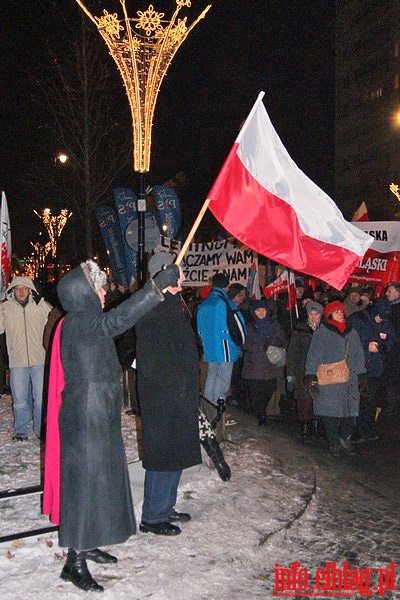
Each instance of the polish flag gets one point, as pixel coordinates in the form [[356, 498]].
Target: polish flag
[[361, 214], [5, 247], [263, 199]]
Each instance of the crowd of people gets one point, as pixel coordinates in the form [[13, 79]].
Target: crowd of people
[[331, 365]]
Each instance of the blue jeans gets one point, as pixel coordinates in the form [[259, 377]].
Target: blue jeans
[[218, 380], [27, 390], [160, 490]]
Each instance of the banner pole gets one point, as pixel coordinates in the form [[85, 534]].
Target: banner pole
[[192, 232]]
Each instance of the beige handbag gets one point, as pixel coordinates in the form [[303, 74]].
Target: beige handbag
[[337, 372]]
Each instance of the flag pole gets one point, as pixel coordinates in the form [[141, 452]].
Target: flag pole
[[192, 231], [208, 200]]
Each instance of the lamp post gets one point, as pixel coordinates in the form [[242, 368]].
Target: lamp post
[[143, 48], [54, 225]]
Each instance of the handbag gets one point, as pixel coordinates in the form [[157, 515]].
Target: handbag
[[337, 372], [276, 356]]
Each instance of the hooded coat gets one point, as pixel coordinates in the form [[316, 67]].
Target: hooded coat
[[168, 388], [328, 346], [24, 325], [95, 496]]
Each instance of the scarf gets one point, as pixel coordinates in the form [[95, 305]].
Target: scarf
[[338, 324], [264, 328]]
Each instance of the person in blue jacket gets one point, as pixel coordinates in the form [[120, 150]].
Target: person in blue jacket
[[219, 350]]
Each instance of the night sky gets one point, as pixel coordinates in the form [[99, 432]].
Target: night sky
[[239, 49]]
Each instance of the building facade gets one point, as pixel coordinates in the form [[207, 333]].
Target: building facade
[[367, 119]]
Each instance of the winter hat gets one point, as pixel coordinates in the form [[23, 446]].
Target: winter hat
[[314, 307], [259, 303], [235, 289], [158, 261], [355, 289], [332, 306], [94, 275], [220, 280], [383, 308]]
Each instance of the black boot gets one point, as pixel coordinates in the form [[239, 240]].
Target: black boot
[[213, 449], [76, 571]]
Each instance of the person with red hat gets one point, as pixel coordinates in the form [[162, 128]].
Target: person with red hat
[[337, 403]]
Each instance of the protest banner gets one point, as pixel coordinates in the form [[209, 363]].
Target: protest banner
[[203, 260], [380, 264]]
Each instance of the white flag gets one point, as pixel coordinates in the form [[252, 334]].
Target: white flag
[[5, 243]]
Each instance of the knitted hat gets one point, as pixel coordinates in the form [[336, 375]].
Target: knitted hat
[[220, 280], [157, 262], [314, 307], [94, 275], [259, 303], [332, 306]]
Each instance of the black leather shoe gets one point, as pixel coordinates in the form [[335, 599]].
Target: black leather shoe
[[163, 528], [178, 516], [76, 571], [99, 556]]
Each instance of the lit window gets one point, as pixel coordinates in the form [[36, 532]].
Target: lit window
[[397, 81]]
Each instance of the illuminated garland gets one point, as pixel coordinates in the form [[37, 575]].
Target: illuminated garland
[[143, 49]]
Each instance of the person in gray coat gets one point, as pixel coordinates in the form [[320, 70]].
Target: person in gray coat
[[337, 404], [95, 496]]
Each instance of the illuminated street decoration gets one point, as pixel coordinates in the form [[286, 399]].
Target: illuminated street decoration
[[394, 188], [143, 49], [54, 225]]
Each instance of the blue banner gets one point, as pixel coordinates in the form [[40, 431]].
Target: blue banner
[[168, 211], [111, 232], [126, 203]]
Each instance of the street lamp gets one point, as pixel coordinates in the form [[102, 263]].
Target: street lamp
[[143, 49], [61, 158]]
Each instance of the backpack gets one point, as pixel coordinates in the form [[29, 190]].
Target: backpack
[[235, 325]]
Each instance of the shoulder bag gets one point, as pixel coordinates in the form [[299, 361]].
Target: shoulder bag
[[337, 372]]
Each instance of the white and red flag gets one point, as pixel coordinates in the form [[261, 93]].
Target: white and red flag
[[263, 199], [253, 283], [361, 214], [285, 282], [5, 244]]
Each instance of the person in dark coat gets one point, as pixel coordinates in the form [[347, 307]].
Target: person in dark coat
[[168, 391], [378, 340], [258, 371], [296, 364], [337, 404], [95, 496]]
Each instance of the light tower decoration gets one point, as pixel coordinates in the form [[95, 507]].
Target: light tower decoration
[[394, 188], [54, 225], [143, 49]]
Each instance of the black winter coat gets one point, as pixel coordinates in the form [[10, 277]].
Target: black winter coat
[[168, 388], [95, 504]]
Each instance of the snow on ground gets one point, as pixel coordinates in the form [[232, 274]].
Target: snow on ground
[[228, 550]]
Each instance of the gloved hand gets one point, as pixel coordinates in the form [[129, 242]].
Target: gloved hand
[[290, 382], [168, 276]]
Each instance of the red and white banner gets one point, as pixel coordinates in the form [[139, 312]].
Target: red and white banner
[[381, 263], [285, 282], [264, 200], [5, 244]]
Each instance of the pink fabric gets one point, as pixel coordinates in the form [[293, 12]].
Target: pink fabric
[[51, 492]]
